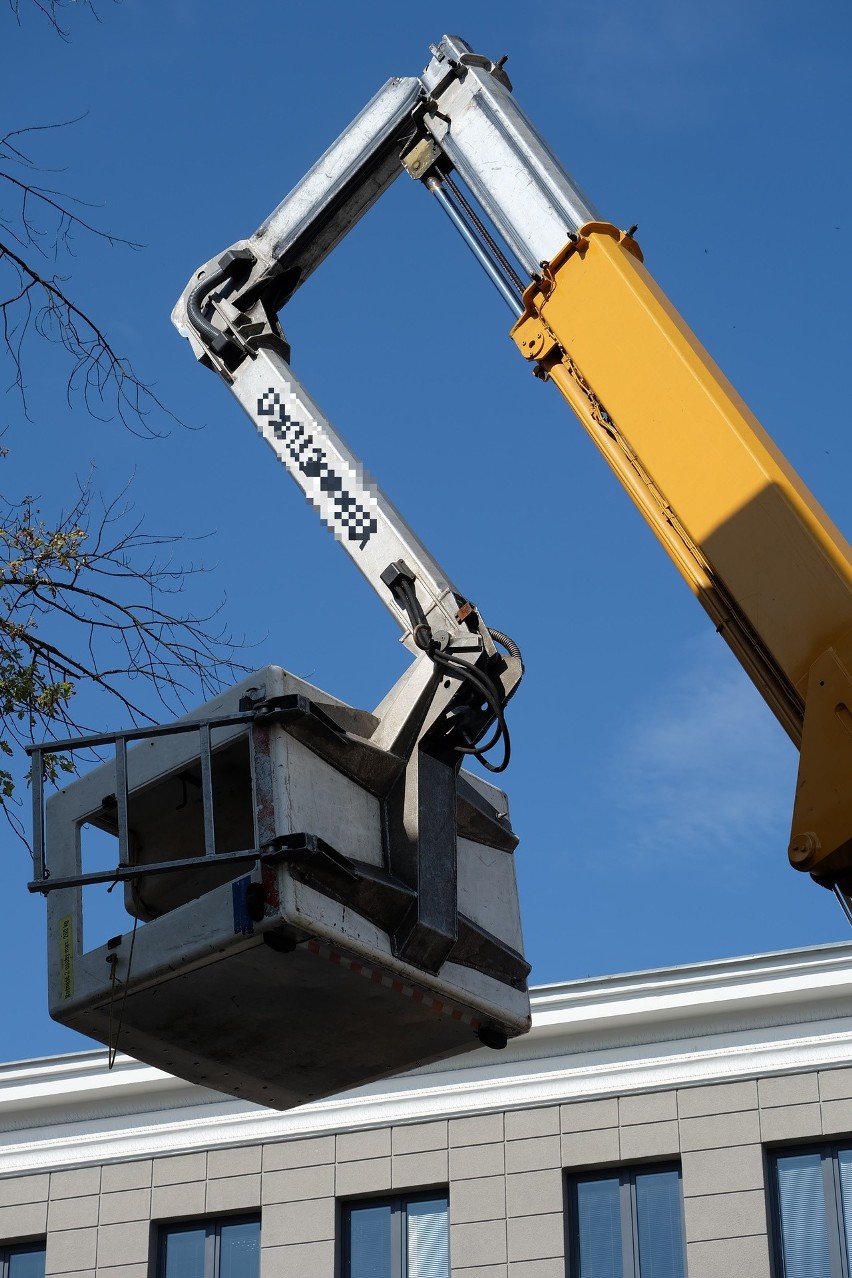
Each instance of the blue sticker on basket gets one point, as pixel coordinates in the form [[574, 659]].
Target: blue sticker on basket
[[243, 925]]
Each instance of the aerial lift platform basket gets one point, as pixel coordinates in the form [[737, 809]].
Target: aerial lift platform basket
[[281, 949]]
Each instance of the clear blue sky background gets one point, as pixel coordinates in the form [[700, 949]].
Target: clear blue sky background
[[650, 786]]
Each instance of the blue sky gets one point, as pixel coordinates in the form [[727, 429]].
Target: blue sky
[[651, 788]]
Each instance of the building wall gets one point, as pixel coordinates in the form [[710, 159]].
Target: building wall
[[505, 1164]]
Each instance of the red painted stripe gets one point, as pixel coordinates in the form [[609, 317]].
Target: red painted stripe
[[399, 987]]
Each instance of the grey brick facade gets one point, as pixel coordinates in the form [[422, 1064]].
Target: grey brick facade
[[505, 1169]]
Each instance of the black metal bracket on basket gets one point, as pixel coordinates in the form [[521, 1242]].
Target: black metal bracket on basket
[[299, 849], [288, 709], [390, 904], [346, 748]]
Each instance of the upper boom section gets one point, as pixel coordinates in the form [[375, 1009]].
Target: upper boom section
[[462, 111], [471, 114], [462, 105]]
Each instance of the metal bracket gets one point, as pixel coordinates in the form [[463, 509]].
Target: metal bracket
[[286, 847], [421, 824], [419, 160], [289, 708]]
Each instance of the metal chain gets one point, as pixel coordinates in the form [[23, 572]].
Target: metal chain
[[486, 235]]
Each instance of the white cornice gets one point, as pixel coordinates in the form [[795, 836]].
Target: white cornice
[[643, 1031]]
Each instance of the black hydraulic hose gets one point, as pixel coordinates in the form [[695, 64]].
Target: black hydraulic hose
[[507, 643], [477, 680], [195, 300]]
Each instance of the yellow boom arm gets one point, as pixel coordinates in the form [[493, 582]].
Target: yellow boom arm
[[763, 558]]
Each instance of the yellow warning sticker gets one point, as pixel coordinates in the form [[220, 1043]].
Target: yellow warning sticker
[[66, 956]]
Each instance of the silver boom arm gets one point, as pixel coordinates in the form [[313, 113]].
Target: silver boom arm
[[459, 115], [458, 119]]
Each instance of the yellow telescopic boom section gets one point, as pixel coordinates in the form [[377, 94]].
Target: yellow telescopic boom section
[[763, 558]]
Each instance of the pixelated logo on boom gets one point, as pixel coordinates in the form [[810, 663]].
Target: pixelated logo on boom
[[347, 517]]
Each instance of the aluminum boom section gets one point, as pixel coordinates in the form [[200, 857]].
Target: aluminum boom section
[[342, 185], [512, 172], [326, 203], [350, 504]]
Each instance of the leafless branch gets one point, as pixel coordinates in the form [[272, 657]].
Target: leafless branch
[[105, 636], [91, 601], [40, 223], [39, 304], [51, 9]]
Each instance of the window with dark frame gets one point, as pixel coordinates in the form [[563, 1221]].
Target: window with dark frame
[[23, 1261], [812, 1211], [627, 1223], [222, 1248], [401, 1237]]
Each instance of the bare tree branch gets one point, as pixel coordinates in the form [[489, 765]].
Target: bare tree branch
[[34, 302], [103, 587], [51, 9], [40, 304], [89, 601]]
